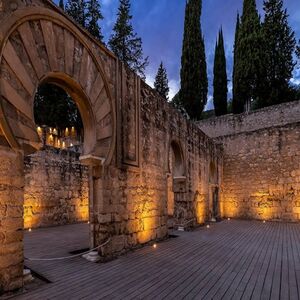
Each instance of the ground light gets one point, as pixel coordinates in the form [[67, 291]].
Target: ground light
[[228, 219], [29, 230], [264, 221], [207, 226], [154, 246]]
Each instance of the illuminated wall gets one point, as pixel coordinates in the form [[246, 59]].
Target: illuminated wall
[[261, 162], [56, 189]]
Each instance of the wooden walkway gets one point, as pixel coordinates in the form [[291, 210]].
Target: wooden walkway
[[230, 260]]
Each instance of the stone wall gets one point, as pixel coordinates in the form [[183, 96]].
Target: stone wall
[[134, 189], [261, 162], [56, 189], [277, 115], [11, 221]]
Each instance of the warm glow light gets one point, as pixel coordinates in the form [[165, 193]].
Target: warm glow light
[[63, 144], [154, 246], [207, 226], [264, 221], [88, 222], [71, 145], [228, 219], [29, 230]]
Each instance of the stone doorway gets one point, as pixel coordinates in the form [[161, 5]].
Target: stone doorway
[[214, 203], [176, 186]]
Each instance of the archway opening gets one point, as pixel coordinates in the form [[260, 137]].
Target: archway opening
[[56, 192], [176, 184], [213, 192]]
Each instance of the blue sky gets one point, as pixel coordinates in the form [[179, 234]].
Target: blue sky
[[160, 24]]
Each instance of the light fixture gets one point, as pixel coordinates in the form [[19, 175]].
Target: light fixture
[[29, 230], [207, 226], [228, 219], [154, 246]]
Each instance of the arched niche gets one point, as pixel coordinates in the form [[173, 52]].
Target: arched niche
[[40, 46]]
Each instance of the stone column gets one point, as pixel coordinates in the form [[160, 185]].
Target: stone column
[[11, 219]]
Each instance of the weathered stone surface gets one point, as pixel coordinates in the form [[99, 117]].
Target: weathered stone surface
[[56, 189], [261, 162], [11, 221]]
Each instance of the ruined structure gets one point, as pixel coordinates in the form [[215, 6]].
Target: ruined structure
[[146, 162], [261, 162]]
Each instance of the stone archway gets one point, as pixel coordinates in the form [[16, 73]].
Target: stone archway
[[214, 204], [176, 183], [38, 46]]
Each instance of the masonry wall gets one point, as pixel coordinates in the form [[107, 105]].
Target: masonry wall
[[261, 162], [11, 221], [134, 204], [56, 189]]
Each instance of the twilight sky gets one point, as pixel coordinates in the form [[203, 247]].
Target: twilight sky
[[160, 24]]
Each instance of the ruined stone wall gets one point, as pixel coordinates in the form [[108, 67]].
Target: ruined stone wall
[[261, 162], [277, 115], [11, 221], [135, 190], [56, 189]]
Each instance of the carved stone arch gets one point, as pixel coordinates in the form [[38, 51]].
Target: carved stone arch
[[39, 46], [178, 165]]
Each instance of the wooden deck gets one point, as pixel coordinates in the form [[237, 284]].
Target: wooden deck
[[230, 260]]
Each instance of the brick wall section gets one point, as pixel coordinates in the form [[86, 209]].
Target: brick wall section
[[261, 162], [11, 221], [56, 189]]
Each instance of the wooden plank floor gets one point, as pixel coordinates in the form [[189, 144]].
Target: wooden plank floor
[[230, 260]]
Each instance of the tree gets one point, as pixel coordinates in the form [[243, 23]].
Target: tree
[[280, 45], [194, 83], [220, 78], [249, 66], [61, 4], [237, 103], [161, 82], [55, 108], [76, 10], [298, 50], [93, 17], [125, 44]]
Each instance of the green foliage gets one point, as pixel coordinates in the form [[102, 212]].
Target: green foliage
[[161, 83], [61, 4], [279, 49], [76, 10], [249, 65], [220, 78], [194, 83], [54, 107], [93, 17], [125, 44], [237, 104]]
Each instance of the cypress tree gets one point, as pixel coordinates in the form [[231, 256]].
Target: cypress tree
[[194, 83], [220, 78], [93, 17], [161, 82], [125, 44], [280, 45], [76, 10], [249, 64], [298, 50], [61, 4], [237, 104]]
